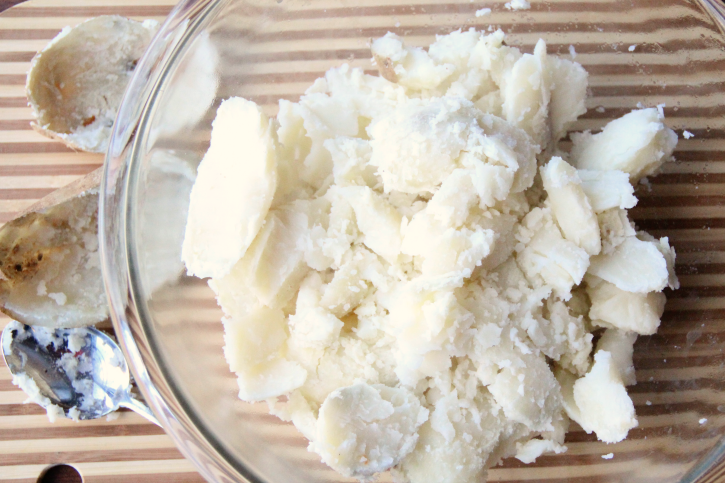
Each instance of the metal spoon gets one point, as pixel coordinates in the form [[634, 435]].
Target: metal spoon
[[82, 371]]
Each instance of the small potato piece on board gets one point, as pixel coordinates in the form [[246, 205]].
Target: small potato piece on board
[[49, 260], [75, 84]]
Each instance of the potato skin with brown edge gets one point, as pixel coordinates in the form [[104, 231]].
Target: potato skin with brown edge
[[49, 260], [75, 84]]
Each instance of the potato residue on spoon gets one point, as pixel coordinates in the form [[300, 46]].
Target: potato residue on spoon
[[420, 282]]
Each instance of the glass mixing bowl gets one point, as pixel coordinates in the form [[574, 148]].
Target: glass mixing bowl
[[652, 52]]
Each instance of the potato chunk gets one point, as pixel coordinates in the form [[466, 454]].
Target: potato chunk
[[254, 347], [273, 268], [570, 205], [607, 189], [364, 429], [544, 254], [603, 403], [569, 82], [526, 94], [633, 266], [636, 143], [620, 343], [636, 312], [235, 184]]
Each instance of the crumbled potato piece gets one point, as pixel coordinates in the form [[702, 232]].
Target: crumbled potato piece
[[636, 143]]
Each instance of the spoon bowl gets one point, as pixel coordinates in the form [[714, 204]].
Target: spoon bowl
[[81, 372]]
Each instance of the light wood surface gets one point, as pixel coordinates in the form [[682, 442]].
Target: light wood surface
[[31, 166]]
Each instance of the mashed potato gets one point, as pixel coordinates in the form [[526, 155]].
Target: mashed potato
[[412, 271]]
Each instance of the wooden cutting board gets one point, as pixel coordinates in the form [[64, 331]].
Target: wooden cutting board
[[128, 448]]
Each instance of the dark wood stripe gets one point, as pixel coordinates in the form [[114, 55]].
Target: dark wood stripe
[[679, 223], [671, 113], [105, 455], [695, 246], [670, 89], [678, 201], [670, 317], [701, 269], [40, 147], [28, 34], [15, 125], [16, 56], [7, 216], [20, 410], [13, 102], [687, 178], [150, 478], [80, 430], [12, 79], [136, 11], [24, 193], [696, 292], [47, 169], [7, 385]]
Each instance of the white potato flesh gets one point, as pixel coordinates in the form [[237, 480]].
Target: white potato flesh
[[255, 338], [603, 403], [636, 143], [270, 379], [352, 282], [506, 143], [570, 205], [663, 245], [462, 454], [253, 347], [418, 144], [543, 252], [378, 221], [350, 162], [274, 266], [529, 395], [410, 67], [568, 84], [459, 250], [452, 203], [233, 190], [532, 449], [636, 312], [446, 250], [526, 95], [620, 343], [76, 83], [633, 266], [607, 189], [364, 429], [615, 227], [50, 262]]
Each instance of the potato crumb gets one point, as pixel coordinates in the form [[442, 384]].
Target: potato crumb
[[518, 5]]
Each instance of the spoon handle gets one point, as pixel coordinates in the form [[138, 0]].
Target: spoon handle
[[139, 408]]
